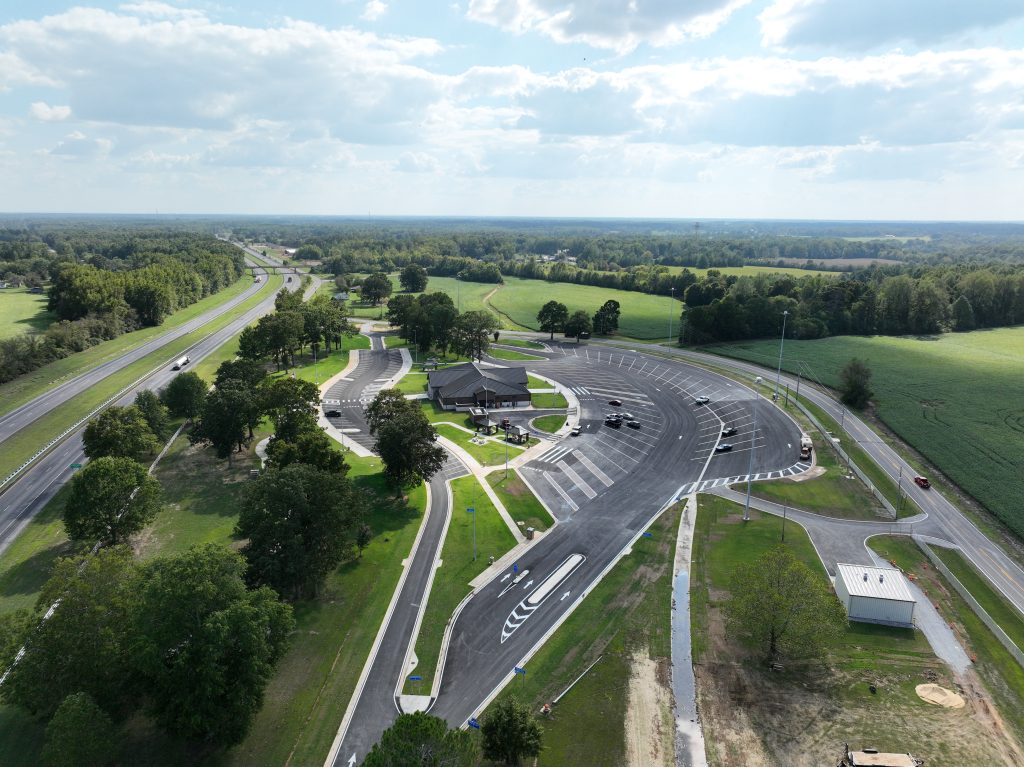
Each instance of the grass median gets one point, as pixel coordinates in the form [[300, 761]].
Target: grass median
[[625, 623], [520, 502], [511, 354], [490, 453], [24, 443], [26, 387], [458, 568], [549, 423], [549, 400]]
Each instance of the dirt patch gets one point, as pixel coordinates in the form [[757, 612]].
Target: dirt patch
[[940, 696], [817, 471], [649, 735]]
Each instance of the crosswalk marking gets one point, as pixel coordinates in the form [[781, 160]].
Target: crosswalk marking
[[592, 468], [577, 479], [554, 454]]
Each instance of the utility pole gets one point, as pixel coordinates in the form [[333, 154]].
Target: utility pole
[[750, 462], [782, 340], [784, 510], [671, 305]]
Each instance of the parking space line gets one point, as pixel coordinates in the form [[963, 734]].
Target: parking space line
[[612, 447], [628, 444], [568, 471], [592, 468], [561, 492]]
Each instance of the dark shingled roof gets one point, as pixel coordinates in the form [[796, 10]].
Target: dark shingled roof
[[466, 380]]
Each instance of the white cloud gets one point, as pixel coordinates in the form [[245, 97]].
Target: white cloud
[[619, 25], [43, 111], [374, 10], [866, 24], [78, 145], [160, 10]]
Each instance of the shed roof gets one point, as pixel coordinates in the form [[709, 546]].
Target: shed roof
[[875, 582]]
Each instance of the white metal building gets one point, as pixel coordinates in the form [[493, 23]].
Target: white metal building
[[875, 595]]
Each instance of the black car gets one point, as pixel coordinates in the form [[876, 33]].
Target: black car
[[725, 447], [728, 431], [332, 413], [701, 401], [615, 402], [633, 424], [612, 422]]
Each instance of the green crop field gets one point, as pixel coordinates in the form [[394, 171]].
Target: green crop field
[[750, 271], [955, 398], [21, 311]]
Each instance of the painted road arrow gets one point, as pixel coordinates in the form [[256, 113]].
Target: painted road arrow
[[526, 608], [514, 583], [564, 596]]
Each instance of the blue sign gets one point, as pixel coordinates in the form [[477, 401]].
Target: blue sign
[[519, 670], [415, 679], [515, 568], [471, 510], [474, 724], [647, 535]]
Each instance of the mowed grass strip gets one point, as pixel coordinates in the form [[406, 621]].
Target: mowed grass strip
[[23, 444], [21, 311], [458, 568], [549, 400], [24, 388], [627, 613], [549, 423], [954, 398], [511, 354], [491, 453], [520, 502]]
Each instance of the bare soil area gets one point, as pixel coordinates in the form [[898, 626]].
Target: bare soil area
[[649, 733]]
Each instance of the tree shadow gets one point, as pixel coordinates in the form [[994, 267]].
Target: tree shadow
[[28, 577]]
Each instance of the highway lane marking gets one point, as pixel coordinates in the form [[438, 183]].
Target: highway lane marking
[[592, 468], [521, 612], [577, 479], [561, 492]]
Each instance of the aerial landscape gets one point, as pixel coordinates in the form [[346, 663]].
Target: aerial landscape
[[528, 383]]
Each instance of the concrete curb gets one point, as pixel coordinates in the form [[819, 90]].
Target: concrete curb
[[353, 363]]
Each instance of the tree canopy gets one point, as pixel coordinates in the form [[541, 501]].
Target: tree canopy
[[510, 733], [552, 317], [472, 331], [119, 432], [413, 278], [155, 413], [80, 734], [606, 319], [185, 395], [578, 324], [855, 383], [110, 500], [376, 287], [422, 740], [405, 439]]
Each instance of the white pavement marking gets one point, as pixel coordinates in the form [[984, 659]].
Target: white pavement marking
[[555, 453], [577, 479], [526, 608], [561, 492], [592, 468]]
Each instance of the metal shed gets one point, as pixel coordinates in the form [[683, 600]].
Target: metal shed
[[875, 595]]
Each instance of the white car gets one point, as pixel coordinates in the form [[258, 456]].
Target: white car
[[575, 431]]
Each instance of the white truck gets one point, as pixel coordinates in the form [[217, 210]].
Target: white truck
[[806, 445], [180, 362]]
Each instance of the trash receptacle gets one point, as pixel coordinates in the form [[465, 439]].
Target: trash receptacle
[[530, 533]]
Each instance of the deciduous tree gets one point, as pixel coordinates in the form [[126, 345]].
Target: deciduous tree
[[778, 606], [225, 420], [413, 278], [311, 447], [510, 733], [606, 319], [110, 500], [376, 288], [577, 324], [185, 395], [552, 317], [422, 740], [120, 432], [471, 335], [80, 734], [155, 413], [855, 383]]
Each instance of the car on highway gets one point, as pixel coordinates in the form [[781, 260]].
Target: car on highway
[[332, 413], [613, 422], [701, 400], [922, 482], [724, 447], [575, 431], [633, 424], [615, 402], [728, 431]]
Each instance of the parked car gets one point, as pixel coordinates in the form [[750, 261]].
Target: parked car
[[575, 431], [728, 431], [724, 447], [612, 422], [332, 413], [922, 482], [628, 416], [633, 424], [615, 402], [701, 400]]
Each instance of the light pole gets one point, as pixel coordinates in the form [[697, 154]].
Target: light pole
[[784, 510], [750, 463], [782, 340], [671, 304], [506, 450]]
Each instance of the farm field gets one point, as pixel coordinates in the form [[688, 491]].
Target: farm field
[[751, 270], [22, 311], [955, 398]]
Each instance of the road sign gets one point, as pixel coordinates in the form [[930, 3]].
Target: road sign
[[647, 535], [520, 670], [416, 678], [474, 724], [470, 510], [515, 568], [76, 466]]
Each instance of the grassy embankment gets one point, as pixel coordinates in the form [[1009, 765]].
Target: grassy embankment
[[22, 389], [310, 690], [520, 502], [20, 446], [801, 708], [21, 311], [953, 398], [458, 568], [626, 615], [1001, 673]]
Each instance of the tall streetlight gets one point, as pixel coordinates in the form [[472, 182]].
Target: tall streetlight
[[671, 305], [750, 462], [782, 340]]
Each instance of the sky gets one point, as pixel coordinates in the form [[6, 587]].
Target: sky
[[811, 109]]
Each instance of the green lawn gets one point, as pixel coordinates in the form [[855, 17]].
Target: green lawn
[[1001, 673], [326, 365], [21, 311], [412, 383], [510, 354], [490, 454], [549, 423], [537, 383], [954, 398], [626, 614], [522, 343], [458, 568], [22, 389], [393, 342], [25, 442], [550, 400], [520, 502]]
